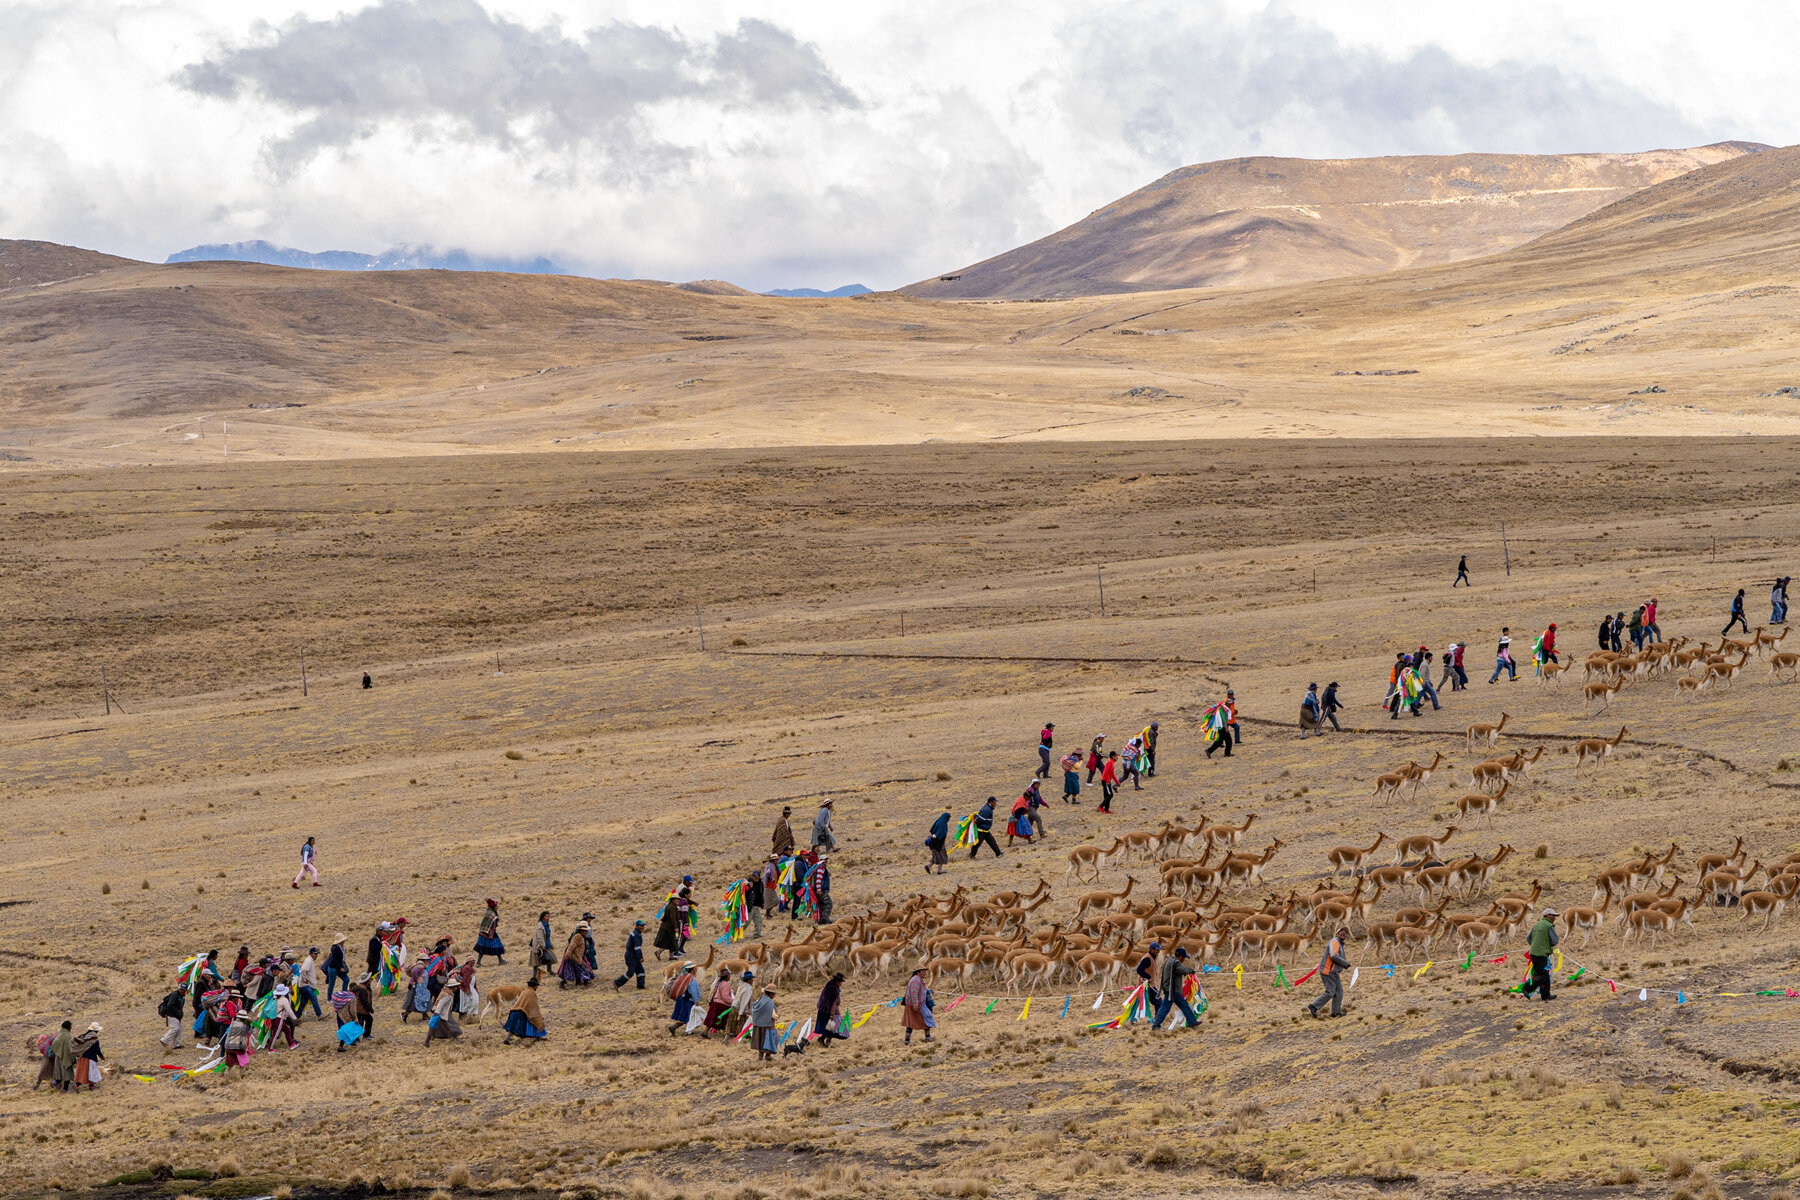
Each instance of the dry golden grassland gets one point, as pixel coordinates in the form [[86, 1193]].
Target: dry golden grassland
[[604, 754]]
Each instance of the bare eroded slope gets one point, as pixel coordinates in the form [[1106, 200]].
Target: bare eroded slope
[[1257, 221]]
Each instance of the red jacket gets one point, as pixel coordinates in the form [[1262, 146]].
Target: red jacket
[[1110, 772]]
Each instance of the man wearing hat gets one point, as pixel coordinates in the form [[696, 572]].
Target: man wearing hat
[[1331, 975], [634, 956], [822, 835], [782, 844], [1328, 708], [1542, 941]]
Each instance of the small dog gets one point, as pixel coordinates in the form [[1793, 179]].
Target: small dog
[[792, 1048]]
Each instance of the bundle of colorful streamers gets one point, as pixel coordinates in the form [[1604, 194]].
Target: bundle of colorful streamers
[[390, 967], [261, 1018], [1137, 1007], [736, 913], [965, 832], [806, 891], [1213, 722]]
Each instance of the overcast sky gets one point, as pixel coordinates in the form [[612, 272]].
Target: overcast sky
[[797, 143]]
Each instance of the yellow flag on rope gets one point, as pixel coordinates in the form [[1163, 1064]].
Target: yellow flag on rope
[[1559, 965], [1026, 1009], [860, 1021], [1422, 970], [1237, 974]]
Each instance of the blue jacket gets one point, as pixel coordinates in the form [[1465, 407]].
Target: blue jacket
[[940, 830], [984, 820]]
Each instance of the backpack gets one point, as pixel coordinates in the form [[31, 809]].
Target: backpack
[[172, 1004], [237, 1037]]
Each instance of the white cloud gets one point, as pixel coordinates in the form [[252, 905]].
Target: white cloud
[[802, 143]]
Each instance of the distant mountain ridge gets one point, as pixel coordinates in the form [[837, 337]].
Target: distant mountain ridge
[[1255, 222], [395, 258], [804, 293]]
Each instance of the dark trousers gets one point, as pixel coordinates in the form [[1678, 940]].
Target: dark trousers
[[1106, 795], [1540, 976], [332, 973], [1737, 618], [1224, 739], [1334, 994], [1462, 577], [1331, 715], [1150, 753], [308, 996], [1043, 771], [985, 838], [1170, 1002], [633, 969]]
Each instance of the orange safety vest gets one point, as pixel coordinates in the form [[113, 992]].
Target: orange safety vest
[[1332, 951]]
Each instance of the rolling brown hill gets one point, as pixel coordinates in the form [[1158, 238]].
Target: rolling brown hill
[[1686, 287], [32, 264], [1258, 221]]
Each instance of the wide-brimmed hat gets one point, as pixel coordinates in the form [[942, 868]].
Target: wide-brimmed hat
[[94, 1027], [365, 977], [1551, 912], [338, 940], [769, 991], [688, 965], [281, 989]]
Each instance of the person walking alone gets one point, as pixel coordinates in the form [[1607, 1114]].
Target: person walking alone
[[782, 843], [306, 864], [170, 1010], [1542, 941], [822, 837], [1462, 573], [1045, 737], [984, 830], [1737, 615], [1331, 966], [634, 957], [1503, 659], [938, 842]]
